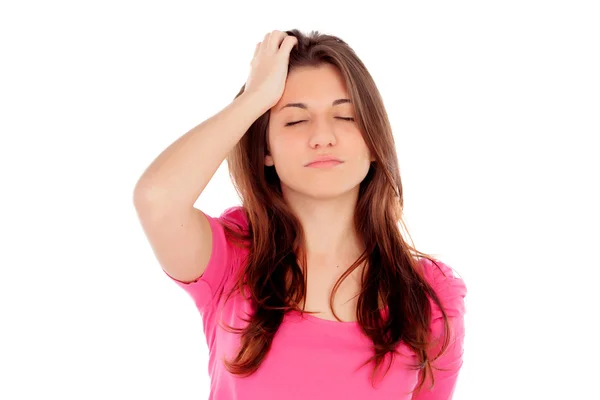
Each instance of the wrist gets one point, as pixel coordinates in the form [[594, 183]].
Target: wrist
[[255, 102]]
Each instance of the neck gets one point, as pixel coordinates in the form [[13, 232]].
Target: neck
[[329, 230]]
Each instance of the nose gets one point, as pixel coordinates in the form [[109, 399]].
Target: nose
[[322, 135]]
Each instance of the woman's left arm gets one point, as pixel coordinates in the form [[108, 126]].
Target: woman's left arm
[[451, 292]]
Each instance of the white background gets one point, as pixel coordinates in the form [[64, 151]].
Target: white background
[[495, 109]]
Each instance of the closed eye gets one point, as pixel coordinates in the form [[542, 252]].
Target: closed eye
[[293, 123], [297, 122]]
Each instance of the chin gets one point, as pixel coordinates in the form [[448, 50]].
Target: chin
[[321, 191], [322, 186]]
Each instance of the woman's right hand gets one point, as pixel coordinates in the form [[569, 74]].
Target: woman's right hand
[[269, 67]]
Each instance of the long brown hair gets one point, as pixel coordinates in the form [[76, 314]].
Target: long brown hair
[[272, 274]]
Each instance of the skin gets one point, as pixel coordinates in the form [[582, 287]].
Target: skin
[[323, 199]]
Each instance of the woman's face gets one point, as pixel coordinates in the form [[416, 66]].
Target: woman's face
[[317, 95]]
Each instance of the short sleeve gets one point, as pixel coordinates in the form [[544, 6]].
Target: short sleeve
[[451, 292], [206, 290]]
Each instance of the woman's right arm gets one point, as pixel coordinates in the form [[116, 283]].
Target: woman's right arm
[[164, 196]]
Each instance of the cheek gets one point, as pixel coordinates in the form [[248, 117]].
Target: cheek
[[359, 145], [285, 145]]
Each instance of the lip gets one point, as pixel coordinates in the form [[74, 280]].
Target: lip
[[324, 162]]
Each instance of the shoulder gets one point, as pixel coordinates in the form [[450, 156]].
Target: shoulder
[[450, 288], [235, 217]]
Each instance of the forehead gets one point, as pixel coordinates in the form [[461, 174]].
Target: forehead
[[315, 86]]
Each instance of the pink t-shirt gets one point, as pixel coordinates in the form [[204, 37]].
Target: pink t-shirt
[[310, 357]]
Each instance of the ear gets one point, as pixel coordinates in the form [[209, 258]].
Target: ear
[[268, 158], [269, 161]]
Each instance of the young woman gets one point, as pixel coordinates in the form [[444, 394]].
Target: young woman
[[308, 290]]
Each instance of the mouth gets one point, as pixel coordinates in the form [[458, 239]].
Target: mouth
[[324, 164]]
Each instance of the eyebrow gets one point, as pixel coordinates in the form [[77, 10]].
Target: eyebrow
[[304, 106]]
